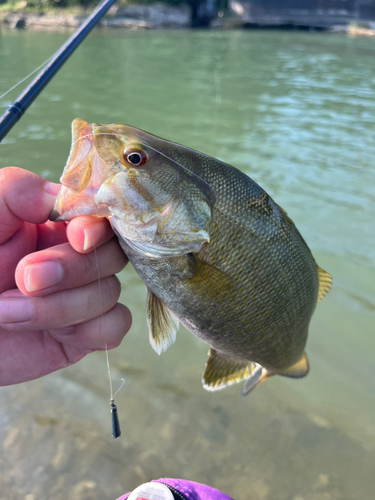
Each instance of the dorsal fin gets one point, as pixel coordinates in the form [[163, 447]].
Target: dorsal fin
[[162, 324], [298, 370], [325, 283], [222, 371]]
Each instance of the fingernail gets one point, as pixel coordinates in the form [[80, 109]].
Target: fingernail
[[49, 196], [52, 188], [14, 310], [88, 241], [62, 331], [42, 275]]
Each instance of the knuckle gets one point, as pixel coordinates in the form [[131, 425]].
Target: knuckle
[[7, 171], [48, 312], [59, 309], [125, 318], [120, 324], [112, 288]]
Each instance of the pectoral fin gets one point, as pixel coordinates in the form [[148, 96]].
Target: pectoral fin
[[162, 324], [222, 371], [204, 278], [325, 283]]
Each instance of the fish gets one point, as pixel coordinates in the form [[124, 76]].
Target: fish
[[215, 251]]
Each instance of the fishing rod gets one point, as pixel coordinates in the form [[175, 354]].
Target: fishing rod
[[24, 100]]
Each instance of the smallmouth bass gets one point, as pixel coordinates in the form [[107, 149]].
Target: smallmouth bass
[[216, 253]]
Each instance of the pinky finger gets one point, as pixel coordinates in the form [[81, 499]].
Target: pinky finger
[[95, 334]]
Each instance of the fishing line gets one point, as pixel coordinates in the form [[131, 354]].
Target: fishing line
[[217, 105], [116, 431], [217, 84], [217, 81], [15, 111], [121, 386], [26, 77]]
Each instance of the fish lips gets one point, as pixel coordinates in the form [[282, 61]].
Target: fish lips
[[83, 176], [69, 205]]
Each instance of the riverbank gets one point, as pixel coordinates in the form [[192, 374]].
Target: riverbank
[[132, 16], [142, 16]]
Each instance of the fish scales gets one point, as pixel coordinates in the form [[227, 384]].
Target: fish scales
[[236, 194], [216, 253], [268, 311]]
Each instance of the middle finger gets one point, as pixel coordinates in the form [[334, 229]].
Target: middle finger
[[62, 268]]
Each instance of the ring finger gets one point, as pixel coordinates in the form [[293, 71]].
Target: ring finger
[[60, 309]]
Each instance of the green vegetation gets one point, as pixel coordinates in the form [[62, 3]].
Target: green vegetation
[[44, 5]]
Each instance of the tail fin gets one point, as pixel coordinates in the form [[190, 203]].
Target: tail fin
[[260, 374]]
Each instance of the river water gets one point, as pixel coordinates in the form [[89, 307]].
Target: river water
[[293, 110]]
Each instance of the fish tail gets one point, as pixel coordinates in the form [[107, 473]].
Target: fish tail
[[260, 374]]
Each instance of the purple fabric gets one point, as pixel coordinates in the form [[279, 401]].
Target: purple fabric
[[191, 490]]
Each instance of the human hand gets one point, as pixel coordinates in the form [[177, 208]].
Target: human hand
[[50, 306]]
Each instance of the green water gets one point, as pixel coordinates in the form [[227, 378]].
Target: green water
[[293, 110]]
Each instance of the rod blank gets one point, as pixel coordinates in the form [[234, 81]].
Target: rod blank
[[24, 100]]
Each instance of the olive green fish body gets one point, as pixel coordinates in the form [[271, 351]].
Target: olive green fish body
[[271, 282], [216, 253]]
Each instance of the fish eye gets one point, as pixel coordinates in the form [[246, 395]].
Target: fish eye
[[136, 157]]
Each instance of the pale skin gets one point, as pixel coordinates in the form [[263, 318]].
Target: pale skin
[[50, 312]]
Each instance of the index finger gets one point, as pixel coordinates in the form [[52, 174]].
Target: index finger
[[24, 196]]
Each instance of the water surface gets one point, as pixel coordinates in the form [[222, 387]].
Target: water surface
[[295, 111]]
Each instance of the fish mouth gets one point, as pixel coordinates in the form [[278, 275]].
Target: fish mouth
[[83, 175], [54, 216]]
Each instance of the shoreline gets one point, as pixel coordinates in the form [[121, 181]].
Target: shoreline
[[132, 16], [142, 16]]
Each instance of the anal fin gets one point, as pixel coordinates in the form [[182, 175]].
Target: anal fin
[[325, 283], [298, 370], [222, 371], [162, 324]]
